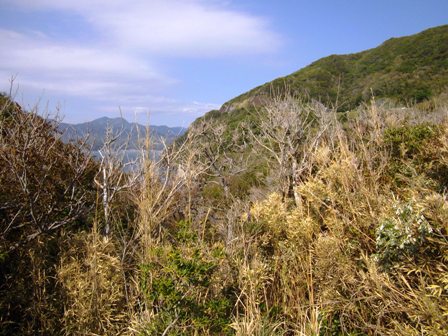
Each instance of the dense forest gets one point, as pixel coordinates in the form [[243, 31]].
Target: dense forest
[[290, 217]]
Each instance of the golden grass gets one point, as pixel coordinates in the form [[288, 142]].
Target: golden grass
[[336, 255], [91, 275]]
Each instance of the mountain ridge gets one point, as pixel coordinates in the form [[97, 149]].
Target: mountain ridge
[[132, 132], [405, 69]]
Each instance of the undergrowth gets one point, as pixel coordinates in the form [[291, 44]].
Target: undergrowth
[[342, 231]]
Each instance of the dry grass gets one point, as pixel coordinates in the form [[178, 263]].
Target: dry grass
[[90, 273], [317, 261], [349, 238]]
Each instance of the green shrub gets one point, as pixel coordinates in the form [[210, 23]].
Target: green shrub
[[181, 286], [408, 141], [418, 150], [213, 191], [401, 235]]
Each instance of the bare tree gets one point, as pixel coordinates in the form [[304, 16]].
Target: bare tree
[[116, 172], [288, 128], [43, 182], [224, 155], [164, 182], [221, 152]]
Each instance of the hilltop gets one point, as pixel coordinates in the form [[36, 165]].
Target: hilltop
[[406, 70]]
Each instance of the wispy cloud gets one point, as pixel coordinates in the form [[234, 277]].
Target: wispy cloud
[[126, 60], [72, 69], [171, 27], [189, 28], [156, 109]]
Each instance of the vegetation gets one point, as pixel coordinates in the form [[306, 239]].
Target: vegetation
[[405, 70], [340, 229], [293, 219], [45, 189]]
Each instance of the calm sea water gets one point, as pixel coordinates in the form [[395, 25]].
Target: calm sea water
[[131, 157]]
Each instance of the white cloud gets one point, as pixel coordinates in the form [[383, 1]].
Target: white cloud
[[70, 69], [156, 106], [172, 27], [177, 28], [128, 41]]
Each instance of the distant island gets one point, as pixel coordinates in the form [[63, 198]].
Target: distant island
[[132, 135]]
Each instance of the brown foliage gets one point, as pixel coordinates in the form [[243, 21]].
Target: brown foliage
[[45, 185]]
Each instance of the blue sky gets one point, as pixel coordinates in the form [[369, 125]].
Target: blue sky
[[174, 60]]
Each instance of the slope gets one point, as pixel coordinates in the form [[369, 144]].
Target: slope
[[407, 70]]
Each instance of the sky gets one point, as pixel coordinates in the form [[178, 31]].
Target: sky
[[173, 60]]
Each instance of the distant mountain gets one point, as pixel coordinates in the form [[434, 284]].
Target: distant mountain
[[131, 133], [406, 69]]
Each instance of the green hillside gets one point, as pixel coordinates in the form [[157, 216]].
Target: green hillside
[[407, 69]]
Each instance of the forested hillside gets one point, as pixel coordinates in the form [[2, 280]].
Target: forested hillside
[[406, 70]]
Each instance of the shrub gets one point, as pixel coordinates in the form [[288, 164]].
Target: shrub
[[401, 235], [408, 141], [182, 286], [418, 150], [45, 186]]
